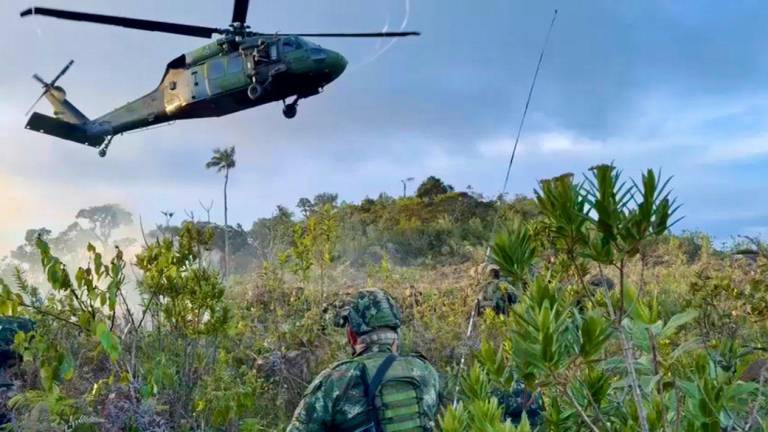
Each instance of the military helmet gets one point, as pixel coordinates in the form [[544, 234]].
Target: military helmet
[[484, 270], [370, 309]]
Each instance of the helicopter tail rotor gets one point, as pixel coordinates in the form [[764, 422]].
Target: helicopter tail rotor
[[50, 86]]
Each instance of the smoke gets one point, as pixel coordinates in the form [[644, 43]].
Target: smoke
[[379, 50]]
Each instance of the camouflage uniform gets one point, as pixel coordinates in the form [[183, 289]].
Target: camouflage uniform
[[337, 399], [517, 400], [496, 294], [9, 326]]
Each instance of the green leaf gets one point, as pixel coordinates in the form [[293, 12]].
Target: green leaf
[[739, 390], [676, 322], [46, 377], [67, 367], [524, 425], [108, 341], [685, 348], [595, 333]]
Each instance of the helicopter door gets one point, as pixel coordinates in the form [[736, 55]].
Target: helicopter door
[[215, 73], [198, 89], [226, 74]]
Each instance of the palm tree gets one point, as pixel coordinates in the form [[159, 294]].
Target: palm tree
[[224, 160]]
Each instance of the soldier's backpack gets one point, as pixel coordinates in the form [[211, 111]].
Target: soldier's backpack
[[394, 395]]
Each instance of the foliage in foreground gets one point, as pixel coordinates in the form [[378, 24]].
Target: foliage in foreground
[[602, 359], [668, 348]]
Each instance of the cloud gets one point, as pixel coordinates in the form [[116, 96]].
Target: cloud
[[553, 143], [748, 148]]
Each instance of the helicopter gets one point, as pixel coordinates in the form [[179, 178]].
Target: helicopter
[[240, 69]]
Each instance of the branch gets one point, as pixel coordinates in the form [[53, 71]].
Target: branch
[[758, 401], [146, 309], [51, 314], [580, 410], [143, 236], [626, 349]]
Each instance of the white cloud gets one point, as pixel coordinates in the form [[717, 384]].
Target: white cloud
[[745, 148], [545, 144]]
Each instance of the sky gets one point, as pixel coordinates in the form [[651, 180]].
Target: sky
[[671, 85]]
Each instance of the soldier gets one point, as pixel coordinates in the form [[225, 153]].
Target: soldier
[[9, 327], [376, 390], [496, 294], [518, 400]]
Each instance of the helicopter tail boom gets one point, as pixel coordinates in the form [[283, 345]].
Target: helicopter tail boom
[[62, 129], [62, 108]]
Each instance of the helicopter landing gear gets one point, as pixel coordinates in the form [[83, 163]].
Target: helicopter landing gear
[[104, 147], [255, 91], [290, 110]]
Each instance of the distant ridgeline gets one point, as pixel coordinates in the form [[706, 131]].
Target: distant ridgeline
[[435, 225]]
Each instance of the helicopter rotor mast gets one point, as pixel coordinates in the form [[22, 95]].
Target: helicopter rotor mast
[[239, 14]]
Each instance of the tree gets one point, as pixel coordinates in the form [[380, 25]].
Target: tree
[[306, 206], [324, 198], [104, 219], [432, 187], [272, 235], [223, 160]]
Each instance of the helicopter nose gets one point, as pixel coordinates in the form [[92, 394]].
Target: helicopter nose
[[336, 64]]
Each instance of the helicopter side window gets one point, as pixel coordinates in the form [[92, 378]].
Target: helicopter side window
[[215, 68], [273, 51], [235, 64], [290, 44]]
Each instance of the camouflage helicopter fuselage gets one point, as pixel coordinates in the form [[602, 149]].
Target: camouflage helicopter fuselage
[[225, 76]]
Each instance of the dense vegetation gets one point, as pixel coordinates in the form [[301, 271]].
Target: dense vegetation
[[163, 342]]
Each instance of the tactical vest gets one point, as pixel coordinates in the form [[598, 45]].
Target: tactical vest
[[394, 397]]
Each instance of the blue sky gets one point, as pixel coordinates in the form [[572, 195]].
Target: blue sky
[[673, 84]]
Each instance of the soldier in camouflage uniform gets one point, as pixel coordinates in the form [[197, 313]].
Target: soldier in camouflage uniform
[[518, 400], [376, 390], [9, 326], [496, 294]]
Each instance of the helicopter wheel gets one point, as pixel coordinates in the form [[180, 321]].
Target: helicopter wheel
[[290, 110], [254, 91], [104, 147]]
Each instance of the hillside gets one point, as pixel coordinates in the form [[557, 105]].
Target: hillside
[[667, 346]]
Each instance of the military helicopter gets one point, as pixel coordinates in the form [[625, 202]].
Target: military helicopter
[[239, 70]]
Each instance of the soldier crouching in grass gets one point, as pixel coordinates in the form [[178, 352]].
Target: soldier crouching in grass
[[496, 293], [377, 390]]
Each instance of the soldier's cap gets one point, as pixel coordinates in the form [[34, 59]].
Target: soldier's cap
[[368, 310]]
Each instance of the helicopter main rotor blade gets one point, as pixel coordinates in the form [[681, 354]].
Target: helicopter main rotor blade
[[139, 24], [240, 11], [374, 34]]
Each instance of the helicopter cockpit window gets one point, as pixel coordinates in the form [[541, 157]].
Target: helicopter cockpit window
[[215, 68], [290, 44]]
